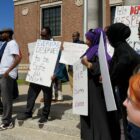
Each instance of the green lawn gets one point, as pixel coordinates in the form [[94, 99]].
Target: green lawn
[[22, 82]]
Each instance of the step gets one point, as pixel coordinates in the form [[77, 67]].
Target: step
[[59, 110], [20, 133], [65, 127]]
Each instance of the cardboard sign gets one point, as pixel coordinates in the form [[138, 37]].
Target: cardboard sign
[[130, 15], [108, 92], [43, 62], [72, 52], [31, 48], [80, 89]]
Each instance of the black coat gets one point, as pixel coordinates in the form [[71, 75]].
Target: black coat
[[124, 60]]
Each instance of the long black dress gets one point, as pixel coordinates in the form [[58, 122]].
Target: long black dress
[[95, 125]]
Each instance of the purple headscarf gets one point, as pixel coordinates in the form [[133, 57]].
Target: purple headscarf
[[94, 37]]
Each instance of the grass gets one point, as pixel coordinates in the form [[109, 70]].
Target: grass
[[22, 82]]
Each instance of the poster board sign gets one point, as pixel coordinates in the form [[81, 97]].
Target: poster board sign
[[108, 92], [31, 47], [80, 89], [43, 62], [130, 15], [72, 52]]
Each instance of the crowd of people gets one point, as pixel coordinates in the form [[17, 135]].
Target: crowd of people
[[124, 69]]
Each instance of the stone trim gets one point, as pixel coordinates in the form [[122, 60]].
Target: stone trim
[[50, 4], [20, 2], [116, 2]]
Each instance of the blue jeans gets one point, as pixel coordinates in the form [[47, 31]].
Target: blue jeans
[[133, 132]]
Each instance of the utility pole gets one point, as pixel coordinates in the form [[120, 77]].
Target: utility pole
[[93, 13], [85, 25]]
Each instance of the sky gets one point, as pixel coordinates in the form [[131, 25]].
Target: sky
[[6, 14]]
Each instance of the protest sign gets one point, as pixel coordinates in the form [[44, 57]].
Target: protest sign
[[43, 62], [80, 89], [31, 47], [130, 15], [108, 92], [72, 52]]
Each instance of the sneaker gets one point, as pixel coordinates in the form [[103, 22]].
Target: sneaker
[[60, 96], [43, 119], [5, 126], [24, 116]]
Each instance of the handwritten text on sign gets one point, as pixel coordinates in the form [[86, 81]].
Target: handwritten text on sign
[[80, 89], [72, 52], [130, 15], [43, 62]]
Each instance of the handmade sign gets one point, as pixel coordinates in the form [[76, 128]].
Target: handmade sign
[[43, 62], [80, 89]]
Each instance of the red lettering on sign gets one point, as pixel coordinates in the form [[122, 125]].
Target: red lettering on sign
[[135, 10]]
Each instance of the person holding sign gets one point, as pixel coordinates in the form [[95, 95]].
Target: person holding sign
[[132, 104], [34, 90], [95, 125], [75, 39], [123, 62]]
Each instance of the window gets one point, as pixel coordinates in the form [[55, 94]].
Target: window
[[113, 9], [52, 17]]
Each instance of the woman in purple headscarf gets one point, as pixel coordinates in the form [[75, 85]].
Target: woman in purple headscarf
[[95, 125]]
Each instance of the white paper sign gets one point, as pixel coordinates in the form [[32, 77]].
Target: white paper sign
[[130, 15], [72, 52], [108, 92], [80, 89], [43, 62], [31, 47]]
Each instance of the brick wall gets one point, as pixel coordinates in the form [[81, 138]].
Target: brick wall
[[27, 28]]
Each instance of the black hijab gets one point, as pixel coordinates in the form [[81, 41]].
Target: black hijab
[[118, 33]]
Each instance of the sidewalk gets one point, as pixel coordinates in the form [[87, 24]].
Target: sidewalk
[[61, 125]]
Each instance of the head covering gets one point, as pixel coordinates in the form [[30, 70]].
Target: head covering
[[134, 89], [94, 36], [118, 32]]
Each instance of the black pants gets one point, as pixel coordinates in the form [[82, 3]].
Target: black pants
[[33, 92], [15, 90], [1, 106], [6, 88]]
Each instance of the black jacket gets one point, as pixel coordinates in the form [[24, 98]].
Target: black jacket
[[124, 60]]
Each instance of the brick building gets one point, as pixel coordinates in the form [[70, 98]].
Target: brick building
[[63, 16]]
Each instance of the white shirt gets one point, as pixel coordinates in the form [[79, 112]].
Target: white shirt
[[8, 58]]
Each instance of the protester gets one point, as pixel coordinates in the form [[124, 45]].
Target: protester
[[1, 106], [95, 125], [34, 90], [75, 39], [132, 104], [123, 62], [9, 57], [60, 75]]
